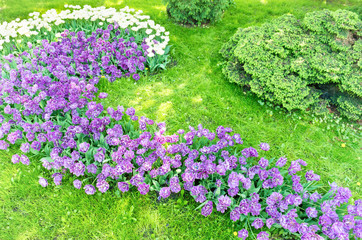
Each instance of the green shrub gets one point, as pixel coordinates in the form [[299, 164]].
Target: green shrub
[[196, 12], [301, 64]]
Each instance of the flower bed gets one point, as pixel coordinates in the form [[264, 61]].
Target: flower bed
[[50, 107]]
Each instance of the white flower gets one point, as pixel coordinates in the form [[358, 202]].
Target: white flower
[[160, 51], [36, 23]]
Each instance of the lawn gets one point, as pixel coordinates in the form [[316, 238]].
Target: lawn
[[191, 91]]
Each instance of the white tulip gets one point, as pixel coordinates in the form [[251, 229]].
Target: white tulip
[[123, 17]]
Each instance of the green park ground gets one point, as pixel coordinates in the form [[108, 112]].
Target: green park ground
[[192, 90]]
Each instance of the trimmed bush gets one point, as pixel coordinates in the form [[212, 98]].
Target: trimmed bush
[[196, 12], [301, 64]]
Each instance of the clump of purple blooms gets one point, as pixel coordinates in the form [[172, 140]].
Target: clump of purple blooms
[[48, 102]]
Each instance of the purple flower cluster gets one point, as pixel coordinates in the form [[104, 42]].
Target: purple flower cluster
[[60, 118]]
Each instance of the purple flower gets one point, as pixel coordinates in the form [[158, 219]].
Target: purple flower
[[263, 236], [249, 152], [311, 176], [339, 230], [99, 156], [246, 183], [25, 147], [137, 180], [136, 77], [274, 198], [255, 208], [311, 235], [315, 197], [233, 191], [207, 209], [297, 200], [78, 169], [103, 95], [123, 186], [77, 184], [294, 167], [36, 145], [102, 186], [143, 188], [235, 214], [244, 207], [349, 221], [181, 131], [233, 181], [3, 145], [174, 180], [89, 189], [281, 162], [92, 168], [83, 147], [243, 234], [311, 212], [218, 183], [43, 182], [258, 223], [175, 188], [343, 195], [24, 160], [57, 178], [188, 177], [223, 203], [130, 111], [199, 193], [75, 155], [270, 222], [263, 163], [15, 158], [264, 146], [165, 192]]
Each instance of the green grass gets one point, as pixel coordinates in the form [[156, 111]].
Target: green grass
[[192, 92]]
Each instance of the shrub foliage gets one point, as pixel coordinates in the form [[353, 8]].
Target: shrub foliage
[[196, 12], [301, 64]]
